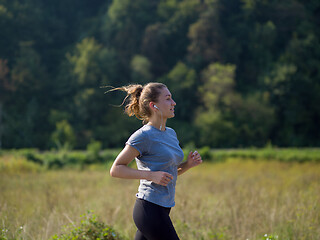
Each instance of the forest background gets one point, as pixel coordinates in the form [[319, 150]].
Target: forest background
[[244, 73]]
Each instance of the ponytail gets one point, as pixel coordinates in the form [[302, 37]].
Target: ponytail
[[132, 108], [139, 98]]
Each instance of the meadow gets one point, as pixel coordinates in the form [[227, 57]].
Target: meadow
[[237, 198]]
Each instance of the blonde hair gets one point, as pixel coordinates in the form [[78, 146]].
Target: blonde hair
[[139, 98]]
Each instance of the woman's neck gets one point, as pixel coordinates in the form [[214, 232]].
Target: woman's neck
[[157, 123]]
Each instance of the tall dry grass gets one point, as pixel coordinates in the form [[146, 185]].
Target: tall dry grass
[[230, 200], [245, 200]]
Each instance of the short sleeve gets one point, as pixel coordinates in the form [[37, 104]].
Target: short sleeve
[[173, 132], [139, 140]]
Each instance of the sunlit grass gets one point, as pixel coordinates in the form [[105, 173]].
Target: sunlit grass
[[230, 200], [245, 200]]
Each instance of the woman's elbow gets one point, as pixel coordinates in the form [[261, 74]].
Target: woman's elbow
[[113, 171]]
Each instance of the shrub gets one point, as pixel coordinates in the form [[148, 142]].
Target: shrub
[[89, 229], [5, 234], [205, 153], [269, 237], [110, 155], [93, 151], [63, 137], [13, 164]]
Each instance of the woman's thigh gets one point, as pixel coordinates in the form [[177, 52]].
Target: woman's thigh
[[153, 221]]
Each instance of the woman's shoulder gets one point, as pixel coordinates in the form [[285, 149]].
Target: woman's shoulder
[[147, 130], [141, 132], [171, 130]]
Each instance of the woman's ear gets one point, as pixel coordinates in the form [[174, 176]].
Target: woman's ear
[[152, 105]]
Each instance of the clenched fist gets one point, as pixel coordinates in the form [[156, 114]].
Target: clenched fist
[[161, 178]]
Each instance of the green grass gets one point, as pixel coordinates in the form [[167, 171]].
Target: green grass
[[274, 154], [234, 199]]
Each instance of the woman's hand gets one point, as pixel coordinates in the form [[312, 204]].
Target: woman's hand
[[161, 178], [194, 159]]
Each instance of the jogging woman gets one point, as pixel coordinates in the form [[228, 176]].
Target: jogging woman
[[158, 156]]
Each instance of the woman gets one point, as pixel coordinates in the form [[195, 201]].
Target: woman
[[159, 160]]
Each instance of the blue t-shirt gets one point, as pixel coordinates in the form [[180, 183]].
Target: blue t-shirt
[[159, 151]]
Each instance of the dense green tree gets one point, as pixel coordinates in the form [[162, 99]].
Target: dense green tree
[[182, 82], [207, 40], [5, 87], [165, 42], [124, 25], [294, 85], [28, 104], [63, 137], [227, 119], [243, 72], [140, 67]]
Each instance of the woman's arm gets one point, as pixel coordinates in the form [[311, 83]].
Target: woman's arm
[[120, 168], [194, 159]]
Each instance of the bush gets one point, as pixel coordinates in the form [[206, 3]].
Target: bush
[[110, 155], [93, 151], [5, 234], [205, 153], [63, 137], [270, 237], [89, 229], [10, 164], [277, 154]]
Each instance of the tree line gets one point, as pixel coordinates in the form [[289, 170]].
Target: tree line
[[243, 72]]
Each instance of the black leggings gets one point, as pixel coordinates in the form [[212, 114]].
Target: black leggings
[[153, 222]]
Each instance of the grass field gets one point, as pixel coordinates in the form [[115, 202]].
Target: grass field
[[222, 201]]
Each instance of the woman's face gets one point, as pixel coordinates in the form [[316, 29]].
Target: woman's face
[[165, 103]]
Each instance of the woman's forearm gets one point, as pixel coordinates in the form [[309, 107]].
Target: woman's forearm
[[183, 167], [123, 171]]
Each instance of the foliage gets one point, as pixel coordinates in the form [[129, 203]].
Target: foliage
[[6, 235], [90, 228], [93, 151], [270, 154], [63, 136], [16, 164], [31, 160], [243, 72], [269, 237], [140, 66], [227, 119]]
